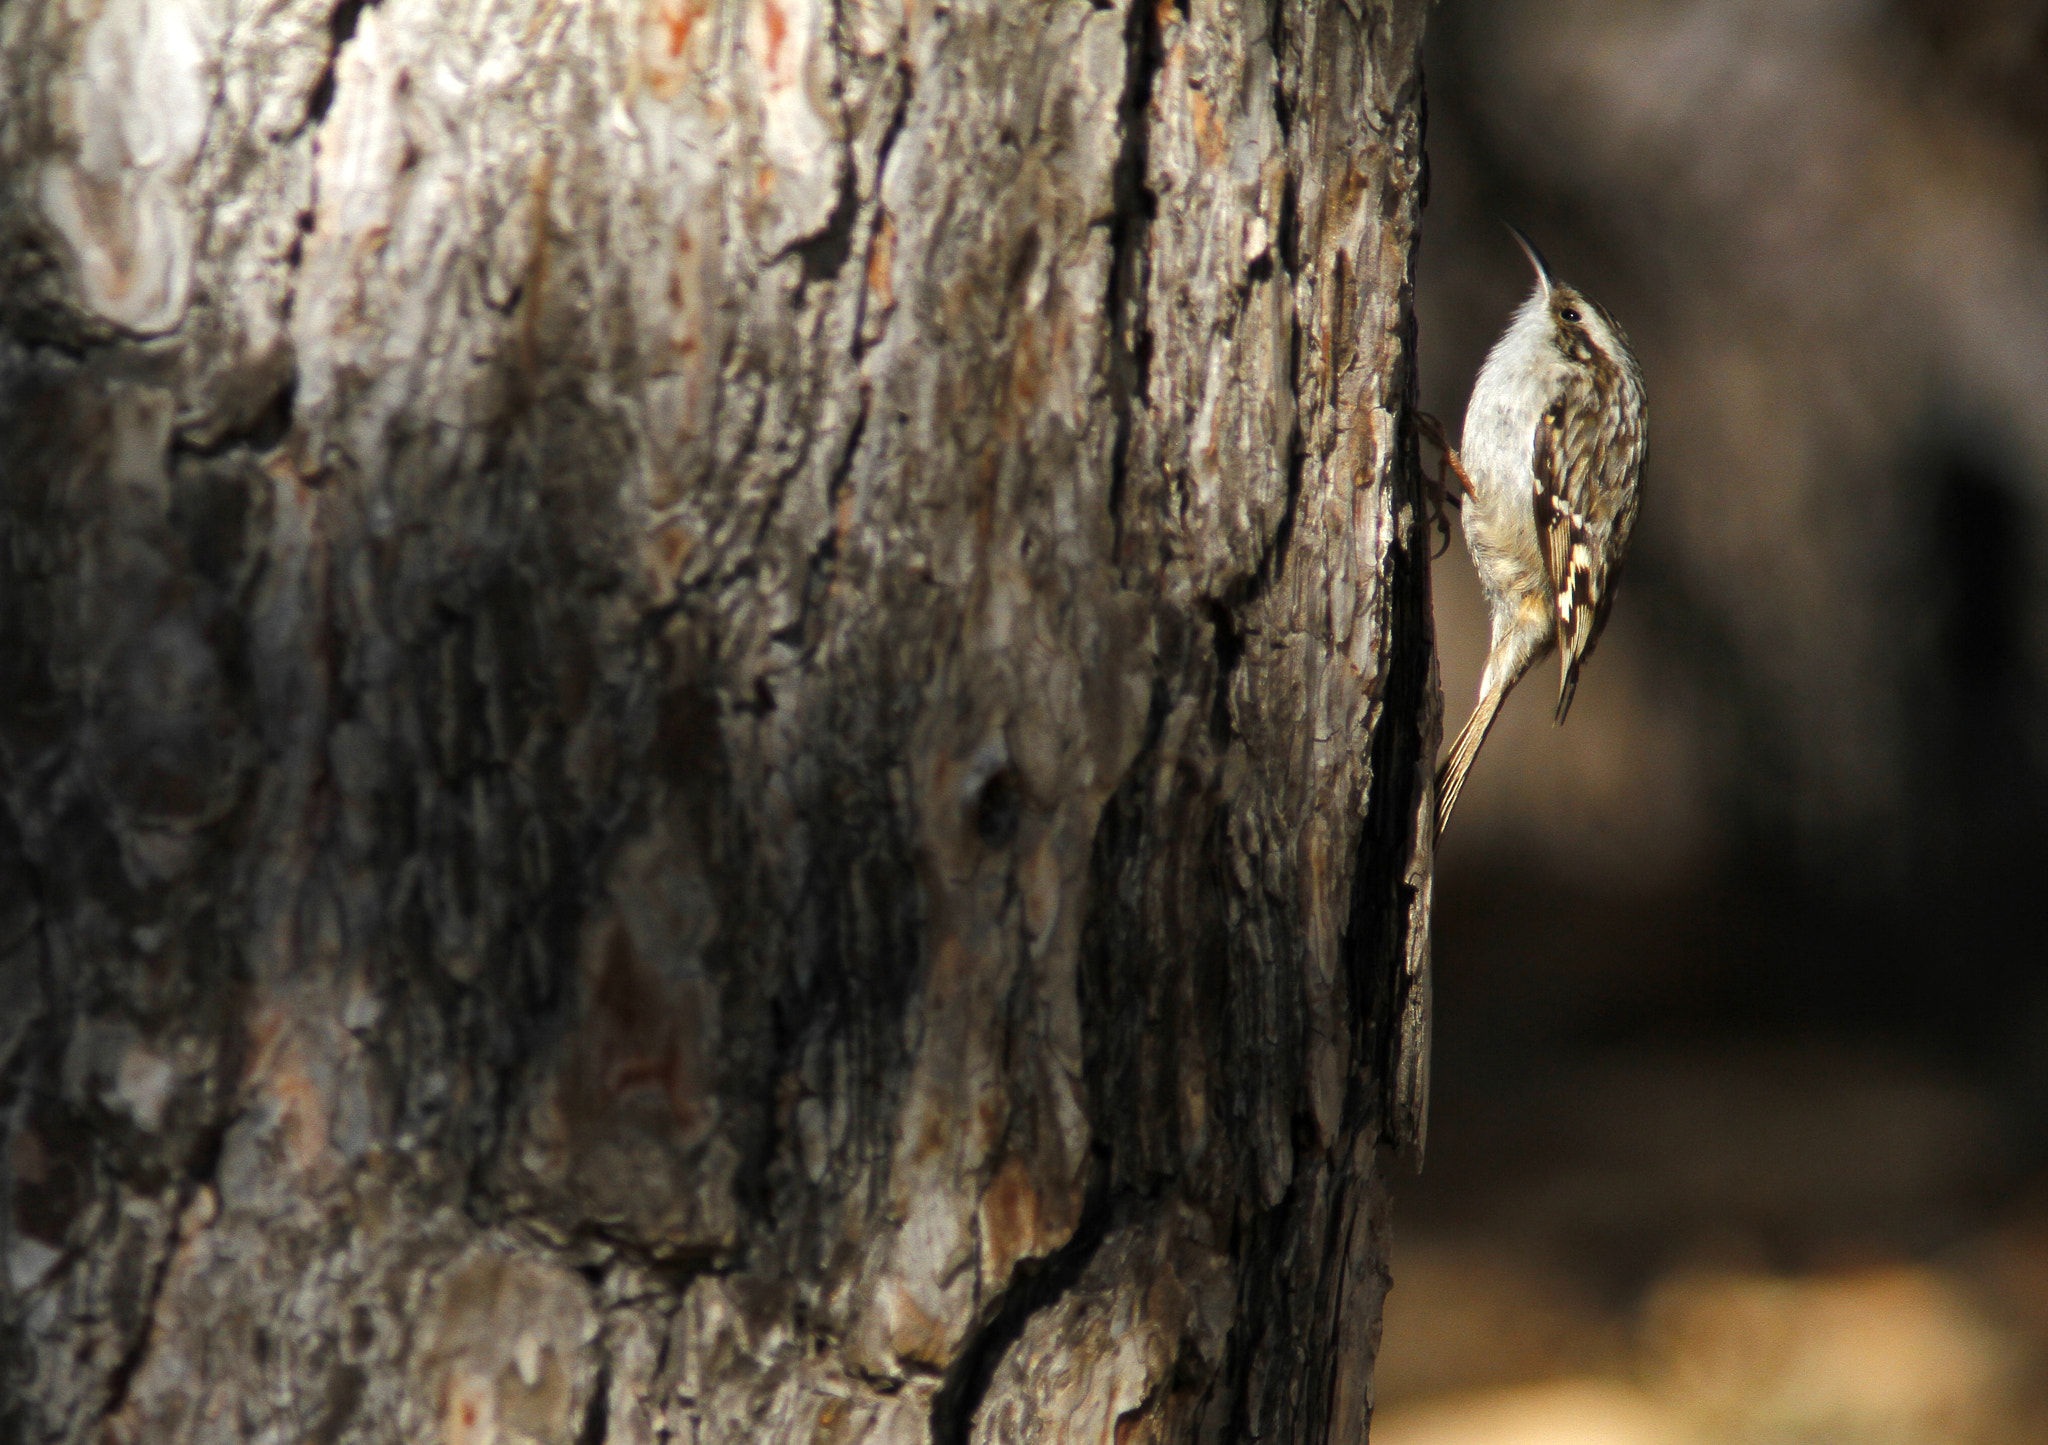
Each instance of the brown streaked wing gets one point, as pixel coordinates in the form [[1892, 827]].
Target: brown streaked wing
[[1588, 449]]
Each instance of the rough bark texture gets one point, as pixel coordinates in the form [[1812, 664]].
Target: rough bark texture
[[713, 717]]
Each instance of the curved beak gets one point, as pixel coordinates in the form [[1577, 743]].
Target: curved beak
[[1535, 256]]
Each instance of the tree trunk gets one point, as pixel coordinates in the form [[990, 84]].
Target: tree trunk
[[715, 718]]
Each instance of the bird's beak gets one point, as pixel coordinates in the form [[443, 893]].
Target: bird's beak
[[1535, 256]]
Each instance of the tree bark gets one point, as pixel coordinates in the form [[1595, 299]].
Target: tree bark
[[715, 718]]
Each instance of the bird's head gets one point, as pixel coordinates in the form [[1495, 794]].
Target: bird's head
[[1581, 327]]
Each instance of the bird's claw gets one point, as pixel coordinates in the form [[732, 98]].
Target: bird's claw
[[1448, 465]]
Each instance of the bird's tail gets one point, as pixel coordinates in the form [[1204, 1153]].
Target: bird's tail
[[1464, 751], [1567, 682]]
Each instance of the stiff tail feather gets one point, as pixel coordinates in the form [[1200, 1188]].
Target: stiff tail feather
[[1567, 682], [1451, 781]]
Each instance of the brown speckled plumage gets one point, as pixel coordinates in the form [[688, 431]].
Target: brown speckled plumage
[[1586, 463], [1553, 454]]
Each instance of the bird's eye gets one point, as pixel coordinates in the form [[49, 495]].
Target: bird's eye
[[1569, 314]]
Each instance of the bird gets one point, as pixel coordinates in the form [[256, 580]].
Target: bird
[[1551, 464]]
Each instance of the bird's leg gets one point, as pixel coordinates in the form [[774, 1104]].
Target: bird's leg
[[1447, 463], [1433, 432]]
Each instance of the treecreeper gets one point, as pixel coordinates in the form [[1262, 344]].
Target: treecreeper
[[1550, 465]]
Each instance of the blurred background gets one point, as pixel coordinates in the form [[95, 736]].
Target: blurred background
[[1741, 1125]]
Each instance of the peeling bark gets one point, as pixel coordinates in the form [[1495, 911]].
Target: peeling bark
[[715, 718]]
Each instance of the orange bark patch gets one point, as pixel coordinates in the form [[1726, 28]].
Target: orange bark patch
[[1011, 1223], [667, 29], [468, 1408], [1209, 138], [882, 265], [679, 27], [915, 1335], [672, 543], [278, 1070], [304, 1110], [843, 515], [1027, 371]]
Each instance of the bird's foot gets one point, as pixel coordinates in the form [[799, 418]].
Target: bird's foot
[[1441, 492]]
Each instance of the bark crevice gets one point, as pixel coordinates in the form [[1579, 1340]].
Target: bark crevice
[[1135, 206], [824, 252], [1382, 899], [1034, 1286], [341, 28]]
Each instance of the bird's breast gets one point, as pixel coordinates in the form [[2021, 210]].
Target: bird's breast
[[1499, 444]]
